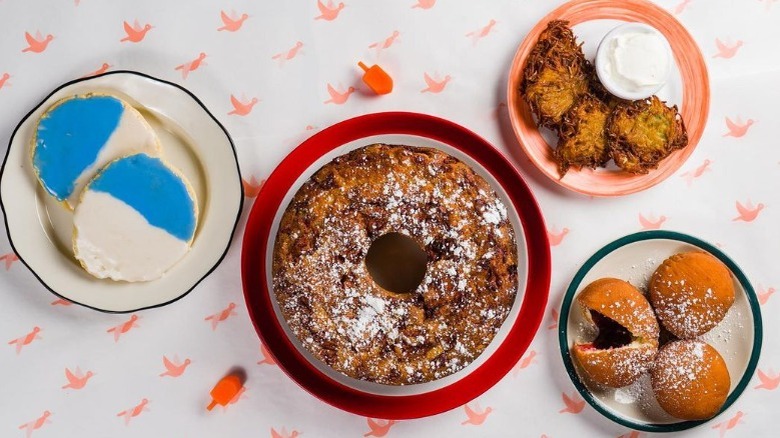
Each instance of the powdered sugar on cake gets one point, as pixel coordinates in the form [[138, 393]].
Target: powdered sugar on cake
[[349, 322]]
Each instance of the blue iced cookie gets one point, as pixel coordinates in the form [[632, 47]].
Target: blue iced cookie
[[135, 220], [79, 135]]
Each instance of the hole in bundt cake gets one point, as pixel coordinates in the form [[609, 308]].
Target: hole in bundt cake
[[396, 262], [611, 334]]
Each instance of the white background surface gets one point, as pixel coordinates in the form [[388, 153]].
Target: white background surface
[[291, 96]]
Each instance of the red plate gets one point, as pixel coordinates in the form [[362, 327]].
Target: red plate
[[259, 298]]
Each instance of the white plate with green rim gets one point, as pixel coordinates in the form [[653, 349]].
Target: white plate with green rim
[[634, 258]]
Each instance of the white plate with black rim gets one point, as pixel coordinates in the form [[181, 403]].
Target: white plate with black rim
[[634, 258], [40, 229]]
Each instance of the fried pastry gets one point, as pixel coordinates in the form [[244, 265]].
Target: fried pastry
[[582, 140], [642, 133], [691, 293], [555, 75], [627, 339], [690, 380]]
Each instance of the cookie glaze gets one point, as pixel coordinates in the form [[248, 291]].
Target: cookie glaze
[[79, 135], [150, 187], [135, 220]]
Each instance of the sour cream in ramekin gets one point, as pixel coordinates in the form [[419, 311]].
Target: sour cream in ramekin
[[633, 61]]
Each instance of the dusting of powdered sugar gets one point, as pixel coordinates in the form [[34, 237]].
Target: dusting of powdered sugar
[[688, 309], [679, 365], [343, 317]]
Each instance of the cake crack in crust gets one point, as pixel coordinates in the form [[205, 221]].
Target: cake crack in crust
[[342, 317]]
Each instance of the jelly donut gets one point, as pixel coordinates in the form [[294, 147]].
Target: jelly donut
[[627, 338]]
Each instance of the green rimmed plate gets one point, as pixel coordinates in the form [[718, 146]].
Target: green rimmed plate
[[634, 258]]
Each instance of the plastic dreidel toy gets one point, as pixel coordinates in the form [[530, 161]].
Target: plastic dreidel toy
[[377, 79], [225, 390]]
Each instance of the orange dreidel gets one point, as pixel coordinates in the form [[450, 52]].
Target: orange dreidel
[[377, 79], [225, 390]]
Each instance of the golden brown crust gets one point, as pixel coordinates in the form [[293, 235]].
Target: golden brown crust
[[690, 380], [615, 367], [347, 321], [623, 303], [582, 140], [691, 293], [642, 133], [555, 74]]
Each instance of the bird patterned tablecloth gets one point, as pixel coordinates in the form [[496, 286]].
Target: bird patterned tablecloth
[[274, 72]]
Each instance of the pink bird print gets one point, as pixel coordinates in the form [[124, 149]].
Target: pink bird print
[[681, 6], [556, 237], [696, 173], [173, 369], [78, 379], [135, 32], [252, 187], [241, 108], [424, 4], [496, 113], [284, 434], [387, 42], [768, 381], [134, 411], [574, 404], [232, 22], [768, 3], [738, 128], [103, 68], [730, 423], [476, 415], [9, 259], [221, 315], [524, 362], [4, 80], [328, 12], [123, 328], [378, 427], [435, 86], [289, 54], [764, 294], [338, 97], [26, 339], [191, 66], [748, 212], [482, 32], [650, 222], [726, 51], [554, 324], [61, 302], [38, 43], [632, 434], [36, 424], [267, 358]]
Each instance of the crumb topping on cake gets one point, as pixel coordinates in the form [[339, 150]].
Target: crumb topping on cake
[[349, 322]]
